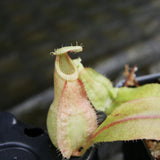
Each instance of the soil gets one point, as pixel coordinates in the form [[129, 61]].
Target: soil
[[154, 147]]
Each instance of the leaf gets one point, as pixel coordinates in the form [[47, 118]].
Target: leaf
[[126, 94], [137, 119], [147, 90]]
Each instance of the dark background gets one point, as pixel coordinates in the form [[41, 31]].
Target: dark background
[[113, 33]]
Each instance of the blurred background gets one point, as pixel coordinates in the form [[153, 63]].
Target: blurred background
[[113, 33]]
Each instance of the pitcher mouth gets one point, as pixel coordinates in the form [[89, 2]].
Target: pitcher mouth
[[70, 74]]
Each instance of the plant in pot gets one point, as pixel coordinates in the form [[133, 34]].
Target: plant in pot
[[79, 93]]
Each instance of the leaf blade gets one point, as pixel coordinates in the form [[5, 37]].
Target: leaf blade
[[126, 94], [138, 119]]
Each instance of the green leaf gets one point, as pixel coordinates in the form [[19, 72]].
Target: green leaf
[[126, 94], [137, 119]]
